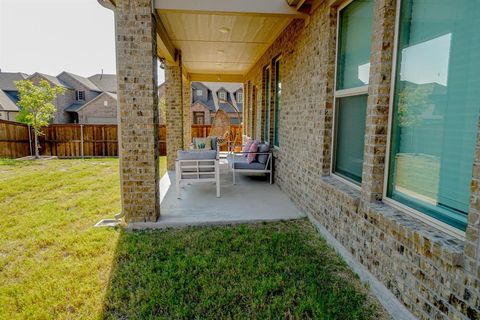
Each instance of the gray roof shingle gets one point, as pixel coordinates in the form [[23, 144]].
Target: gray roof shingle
[[6, 102], [7, 80], [106, 82], [51, 79], [86, 82]]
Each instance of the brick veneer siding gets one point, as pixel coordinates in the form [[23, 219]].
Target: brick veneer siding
[[435, 275], [138, 106], [378, 99], [98, 109], [187, 114], [174, 114], [199, 107]]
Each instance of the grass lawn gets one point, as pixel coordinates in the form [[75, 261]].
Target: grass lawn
[[54, 265]]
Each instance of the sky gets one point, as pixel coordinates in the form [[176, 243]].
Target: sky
[[51, 36]]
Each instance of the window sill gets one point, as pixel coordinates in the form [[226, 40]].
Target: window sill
[[410, 233], [339, 187], [417, 235]]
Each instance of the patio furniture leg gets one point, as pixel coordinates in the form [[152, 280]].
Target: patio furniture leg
[[177, 178], [233, 170], [217, 178], [271, 177]]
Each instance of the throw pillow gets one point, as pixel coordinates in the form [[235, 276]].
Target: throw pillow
[[247, 146], [203, 143], [252, 155], [263, 148], [213, 140]]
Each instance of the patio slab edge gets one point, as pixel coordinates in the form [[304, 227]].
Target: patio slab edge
[[165, 225]]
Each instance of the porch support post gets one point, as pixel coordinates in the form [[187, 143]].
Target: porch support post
[[174, 113], [378, 100], [472, 234], [187, 109], [138, 109]]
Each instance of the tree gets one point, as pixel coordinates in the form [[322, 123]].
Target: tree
[[37, 107]]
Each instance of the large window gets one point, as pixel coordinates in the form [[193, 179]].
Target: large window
[[351, 88], [267, 85], [436, 108], [278, 99]]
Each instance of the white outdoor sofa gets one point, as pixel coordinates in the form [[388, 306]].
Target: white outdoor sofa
[[195, 166], [237, 162]]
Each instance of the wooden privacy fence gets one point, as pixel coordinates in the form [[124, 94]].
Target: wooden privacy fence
[[77, 140], [14, 139]]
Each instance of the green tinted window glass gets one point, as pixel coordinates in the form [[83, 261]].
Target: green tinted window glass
[[350, 131], [278, 99], [436, 107], [355, 33]]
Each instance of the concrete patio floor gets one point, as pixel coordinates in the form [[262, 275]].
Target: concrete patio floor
[[252, 199]]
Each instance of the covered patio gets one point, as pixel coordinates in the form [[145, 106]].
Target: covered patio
[[252, 199], [194, 41]]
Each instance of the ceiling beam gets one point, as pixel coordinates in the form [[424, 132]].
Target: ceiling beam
[[278, 8], [208, 77], [165, 47]]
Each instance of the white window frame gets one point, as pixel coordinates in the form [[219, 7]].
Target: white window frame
[[342, 94], [77, 95], [198, 93], [222, 95], [240, 97], [278, 59], [459, 234], [267, 125]]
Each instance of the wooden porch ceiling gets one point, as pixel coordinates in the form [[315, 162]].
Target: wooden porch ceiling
[[220, 38]]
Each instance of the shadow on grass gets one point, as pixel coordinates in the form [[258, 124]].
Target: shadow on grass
[[275, 270]]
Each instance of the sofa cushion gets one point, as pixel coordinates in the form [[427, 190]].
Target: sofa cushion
[[213, 142], [263, 147], [240, 162], [196, 154]]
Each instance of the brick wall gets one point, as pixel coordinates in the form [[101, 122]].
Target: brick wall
[[98, 109], [138, 107], [174, 121], [198, 107], [434, 274]]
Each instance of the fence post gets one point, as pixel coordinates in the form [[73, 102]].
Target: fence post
[[30, 139], [81, 140]]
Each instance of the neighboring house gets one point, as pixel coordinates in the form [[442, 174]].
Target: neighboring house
[[9, 94], [85, 100], [208, 98]]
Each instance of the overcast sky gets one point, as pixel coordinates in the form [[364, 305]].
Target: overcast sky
[[51, 36]]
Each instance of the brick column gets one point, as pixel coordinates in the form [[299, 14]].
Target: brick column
[[326, 85], [174, 114], [378, 100], [138, 109], [472, 234], [187, 110]]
